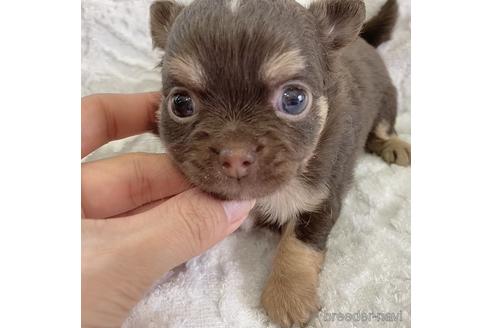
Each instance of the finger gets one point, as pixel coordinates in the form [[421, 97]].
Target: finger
[[141, 209], [107, 117], [124, 257], [123, 183], [182, 227]]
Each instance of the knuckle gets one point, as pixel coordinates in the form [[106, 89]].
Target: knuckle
[[140, 187], [111, 122]]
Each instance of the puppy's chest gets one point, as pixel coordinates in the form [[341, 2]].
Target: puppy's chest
[[289, 202]]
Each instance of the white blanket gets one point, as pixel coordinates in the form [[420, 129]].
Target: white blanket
[[367, 267]]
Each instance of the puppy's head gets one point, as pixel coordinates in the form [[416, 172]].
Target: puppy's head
[[244, 99]]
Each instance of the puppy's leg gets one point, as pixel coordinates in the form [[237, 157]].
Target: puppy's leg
[[382, 139], [290, 295], [385, 143]]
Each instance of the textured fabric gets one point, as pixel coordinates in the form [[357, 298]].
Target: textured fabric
[[367, 266]]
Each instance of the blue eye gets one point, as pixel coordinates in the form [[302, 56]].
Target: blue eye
[[293, 100]]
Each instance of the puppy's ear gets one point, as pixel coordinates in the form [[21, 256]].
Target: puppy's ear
[[162, 16], [339, 21]]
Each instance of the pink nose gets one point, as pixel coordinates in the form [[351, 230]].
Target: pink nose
[[236, 162]]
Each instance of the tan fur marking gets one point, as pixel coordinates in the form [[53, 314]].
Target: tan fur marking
[[323, 109], [290, 295], [389, 147], [381, 130], [187, 70], [282, 65], [393, 150], [234, 5], [294, 198]]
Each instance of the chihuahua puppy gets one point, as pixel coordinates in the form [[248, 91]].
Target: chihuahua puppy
[[270, 100]]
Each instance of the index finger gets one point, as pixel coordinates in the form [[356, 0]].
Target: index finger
[[123, 183], [107, 117]]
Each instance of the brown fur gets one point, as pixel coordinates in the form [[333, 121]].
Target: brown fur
[[380, 27], [290, 293], [162, 15], [244, 56], [235, 105]]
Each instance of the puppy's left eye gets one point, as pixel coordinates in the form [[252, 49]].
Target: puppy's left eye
[[292, 100]]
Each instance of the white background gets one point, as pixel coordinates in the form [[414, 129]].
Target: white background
[[40, 175]]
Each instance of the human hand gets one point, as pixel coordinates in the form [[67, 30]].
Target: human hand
[[140, 216]]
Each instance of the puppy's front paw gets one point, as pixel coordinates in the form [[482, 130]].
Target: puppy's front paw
[[395, 150], [290, 300], [290, 295]]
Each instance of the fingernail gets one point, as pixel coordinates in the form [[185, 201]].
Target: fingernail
[[237, 210]]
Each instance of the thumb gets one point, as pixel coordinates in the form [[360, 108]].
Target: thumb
[[122, 257], [191, 222]]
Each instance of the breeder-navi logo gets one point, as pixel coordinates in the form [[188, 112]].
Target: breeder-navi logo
[[363, 316]]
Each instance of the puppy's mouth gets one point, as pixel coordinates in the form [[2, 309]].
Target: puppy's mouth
[[242, 188]]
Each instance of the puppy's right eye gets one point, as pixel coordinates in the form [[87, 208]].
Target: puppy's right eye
[[293, 101], [182, 105]]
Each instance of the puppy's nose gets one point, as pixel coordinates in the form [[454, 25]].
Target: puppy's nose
[[236, 162]]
